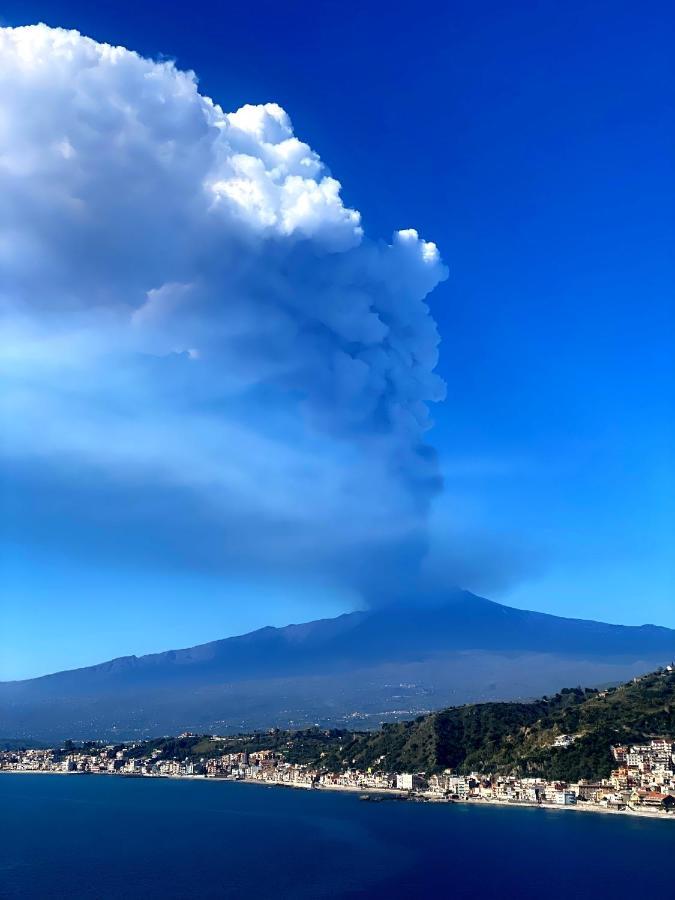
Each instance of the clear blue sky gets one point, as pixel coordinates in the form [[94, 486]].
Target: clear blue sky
[[534, 144]]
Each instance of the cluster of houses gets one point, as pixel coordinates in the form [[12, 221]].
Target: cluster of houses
[[644, 778], [646, 773]]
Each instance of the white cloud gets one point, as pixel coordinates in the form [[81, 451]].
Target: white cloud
[[188, 303]]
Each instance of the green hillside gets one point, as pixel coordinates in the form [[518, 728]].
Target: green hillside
[[502, 738], [518, 737]]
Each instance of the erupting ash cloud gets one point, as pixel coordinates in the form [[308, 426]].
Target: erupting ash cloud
[[202, 350]]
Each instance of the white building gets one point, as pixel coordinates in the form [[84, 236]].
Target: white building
[[406, 781]]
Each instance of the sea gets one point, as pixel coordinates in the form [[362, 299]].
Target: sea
[[79, 836]]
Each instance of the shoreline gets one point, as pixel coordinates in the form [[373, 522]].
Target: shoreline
[[584, 807], [384, 793]]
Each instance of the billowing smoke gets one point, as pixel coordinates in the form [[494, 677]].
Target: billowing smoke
[[202, 350]]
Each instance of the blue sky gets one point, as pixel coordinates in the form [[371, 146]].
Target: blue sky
[[533, 144]]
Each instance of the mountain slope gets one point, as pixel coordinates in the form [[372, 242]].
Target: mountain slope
[[517, 738], [388, 663], [501, 738]]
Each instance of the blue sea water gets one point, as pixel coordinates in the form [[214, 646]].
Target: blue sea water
[[109, 837]]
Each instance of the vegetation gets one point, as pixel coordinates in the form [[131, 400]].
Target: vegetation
[[308, 746], [518, 738], [505, 738], [21, 744]]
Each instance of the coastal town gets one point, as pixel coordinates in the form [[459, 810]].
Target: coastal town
[[642, 783]]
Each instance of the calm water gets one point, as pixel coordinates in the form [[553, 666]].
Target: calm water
[[100, 837]]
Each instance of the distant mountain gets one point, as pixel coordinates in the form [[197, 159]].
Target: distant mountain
[[357, 669]]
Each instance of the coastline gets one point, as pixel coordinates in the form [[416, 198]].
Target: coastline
[[584, 807], [383, 793]]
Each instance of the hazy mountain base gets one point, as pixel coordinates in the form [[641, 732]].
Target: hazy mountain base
[[363, 698], [506, 738]]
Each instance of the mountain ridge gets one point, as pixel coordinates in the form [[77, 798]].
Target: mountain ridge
[[389, 662], [131, 658]]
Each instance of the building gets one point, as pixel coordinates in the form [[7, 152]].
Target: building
[[409, 782]]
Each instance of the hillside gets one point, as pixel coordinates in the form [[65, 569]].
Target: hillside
[[359, 669], [506, 738], [518, 737]]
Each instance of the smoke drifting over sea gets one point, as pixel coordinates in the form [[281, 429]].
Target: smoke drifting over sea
[[203, 352]]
